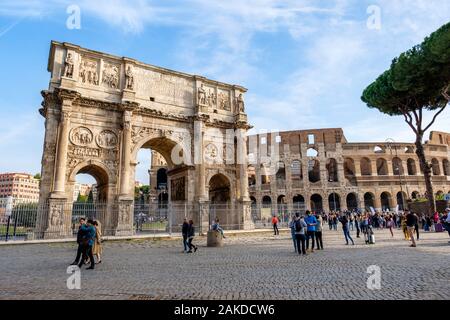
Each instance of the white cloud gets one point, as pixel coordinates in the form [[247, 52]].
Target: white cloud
[[337, 55]]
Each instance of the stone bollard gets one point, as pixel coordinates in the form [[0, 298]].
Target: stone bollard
[[214, 239]]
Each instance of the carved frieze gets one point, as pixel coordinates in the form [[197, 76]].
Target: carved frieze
[[223, 97], [56, 215], [110, 75], [89, 71], [178, 189], [84, 152], [212, 153], [207, 96], [81, 136], [138, 133], [107, 139], [124, 213]]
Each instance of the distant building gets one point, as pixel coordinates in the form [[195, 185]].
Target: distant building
[[20, 186], [81, 189]]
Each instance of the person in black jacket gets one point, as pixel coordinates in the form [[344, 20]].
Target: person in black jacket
[[184, 232], [80, 235], [191, 234]]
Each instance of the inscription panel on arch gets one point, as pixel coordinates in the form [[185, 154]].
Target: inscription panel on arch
[[164, 88]]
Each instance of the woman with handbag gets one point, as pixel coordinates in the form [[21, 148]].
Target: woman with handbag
[[97, 249]]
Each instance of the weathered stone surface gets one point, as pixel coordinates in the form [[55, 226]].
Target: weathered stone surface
[[100, 110], [247, 267]]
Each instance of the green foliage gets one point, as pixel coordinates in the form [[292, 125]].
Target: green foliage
[[25, 214], [90, 198], [141, 192], [37, 176], [82, 198], [418, 79], [440, 197]]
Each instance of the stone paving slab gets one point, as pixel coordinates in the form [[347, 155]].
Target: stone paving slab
[[249, 266]]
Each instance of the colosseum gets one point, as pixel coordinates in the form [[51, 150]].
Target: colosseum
[[320, 170]]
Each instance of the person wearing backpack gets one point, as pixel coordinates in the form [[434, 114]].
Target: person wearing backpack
[[300, 227], [292, 227]]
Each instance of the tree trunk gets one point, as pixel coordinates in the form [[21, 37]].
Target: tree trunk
[[426, 169]]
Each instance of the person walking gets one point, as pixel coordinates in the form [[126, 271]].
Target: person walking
[[404, 227], [292, 227], [344, 221], [97, 248], [184, 233], [275, 225], [80, 235], [411, 221], [191, 235], [300, 227], [330, 222], [351, 220], [318, 234], [416, 226], [87, 242], [358, 225], [311, 222], [390, 224]]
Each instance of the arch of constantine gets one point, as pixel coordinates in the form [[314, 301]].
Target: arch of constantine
[[100, 110]]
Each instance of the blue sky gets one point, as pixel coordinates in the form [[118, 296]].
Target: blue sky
[[305, 62]]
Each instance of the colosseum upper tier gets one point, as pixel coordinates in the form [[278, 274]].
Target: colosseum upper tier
[[320, 170]]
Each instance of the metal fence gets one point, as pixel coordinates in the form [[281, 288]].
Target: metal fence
[[31, 221]]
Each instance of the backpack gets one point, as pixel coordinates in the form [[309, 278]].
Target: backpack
[[298, 226]]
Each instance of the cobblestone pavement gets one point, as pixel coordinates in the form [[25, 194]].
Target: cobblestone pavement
[[247, 267]]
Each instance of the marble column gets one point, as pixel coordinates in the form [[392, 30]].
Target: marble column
[[242, 162], [126, 154], [199, 161], [61, 154]]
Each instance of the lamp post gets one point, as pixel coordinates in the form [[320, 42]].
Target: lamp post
[[396, 168]]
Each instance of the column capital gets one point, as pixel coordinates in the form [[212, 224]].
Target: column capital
[[129, 106], [67, 97]]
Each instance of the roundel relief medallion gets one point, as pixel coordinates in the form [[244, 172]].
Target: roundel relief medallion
[[107, 139], [212, 153], [81, 136]]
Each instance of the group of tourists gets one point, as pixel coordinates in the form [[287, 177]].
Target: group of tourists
[[306, 230], [364, 223], [89, 243]]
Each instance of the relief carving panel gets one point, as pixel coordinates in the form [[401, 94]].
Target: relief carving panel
[[81, 136], [89, 71], [110, 75]]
